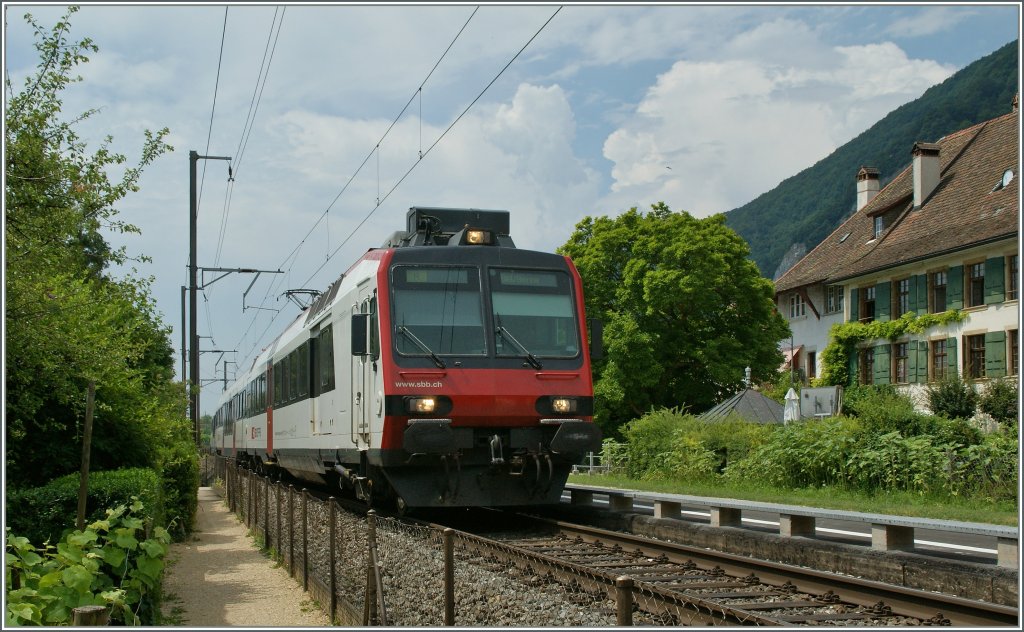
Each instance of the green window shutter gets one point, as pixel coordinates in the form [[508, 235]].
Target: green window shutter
[[955, 288], [921, 295], [917, 361], [995, 353], [922, 361], [994, 281], [882, 305], [854, 307], [952, 366], [882, 367]]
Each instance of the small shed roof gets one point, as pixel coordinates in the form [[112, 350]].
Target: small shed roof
[[749, 405]]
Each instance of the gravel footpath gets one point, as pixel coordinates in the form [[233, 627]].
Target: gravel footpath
[[219, 578]]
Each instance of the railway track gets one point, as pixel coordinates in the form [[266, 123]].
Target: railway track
[[673, 584]]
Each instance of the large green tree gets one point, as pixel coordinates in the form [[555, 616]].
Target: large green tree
[[685, 311], [68, 320]]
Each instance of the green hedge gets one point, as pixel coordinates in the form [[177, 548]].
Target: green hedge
[[43, 514], [180, 488]]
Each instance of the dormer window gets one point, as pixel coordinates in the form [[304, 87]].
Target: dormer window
[[879, 225]]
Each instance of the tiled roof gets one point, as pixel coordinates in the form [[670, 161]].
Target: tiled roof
[[749, 405], [962, 211]]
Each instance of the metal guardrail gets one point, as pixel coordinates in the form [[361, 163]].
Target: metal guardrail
[[888, 532]]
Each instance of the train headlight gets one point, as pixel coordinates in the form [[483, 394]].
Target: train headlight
[[563, 405], [420, 405], [477, 237]]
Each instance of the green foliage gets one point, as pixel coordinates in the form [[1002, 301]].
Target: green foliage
[[685, 311], [844, 337], [989, 469], [43, 514], [180, 482], [68, 320], [806, 208], [882, 409], [888, 448], [952, 398], [115, 562], [614, 455], [957, 433], [811, 453], [666, 443], [647, 438], [1000, 401], [893, 461], [779, 385]]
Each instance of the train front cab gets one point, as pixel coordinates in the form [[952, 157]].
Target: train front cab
[[488, 399]]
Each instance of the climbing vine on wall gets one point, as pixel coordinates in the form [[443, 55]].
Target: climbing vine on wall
[[844, 337]]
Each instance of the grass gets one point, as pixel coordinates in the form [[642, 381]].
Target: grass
[[893, 503]]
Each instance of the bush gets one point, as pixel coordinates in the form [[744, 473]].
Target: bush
[[647, 439], [809, 453], [894, 462], [114, 563], [614, 455], [952, 398], [1000, 401], [43, 514], [957, 432], [988, 469], [180, 483], [881, 409]]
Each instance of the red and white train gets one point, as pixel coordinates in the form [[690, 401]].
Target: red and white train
[[447, 368]]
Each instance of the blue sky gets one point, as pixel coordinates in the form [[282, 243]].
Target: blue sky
[[703, 107]]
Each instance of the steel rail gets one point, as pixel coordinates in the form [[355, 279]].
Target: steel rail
[[905, 601]]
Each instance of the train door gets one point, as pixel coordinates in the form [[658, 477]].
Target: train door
[[364, 365], [321, 354]]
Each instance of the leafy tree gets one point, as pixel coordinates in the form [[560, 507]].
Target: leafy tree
[[67, 319], [685, 311]]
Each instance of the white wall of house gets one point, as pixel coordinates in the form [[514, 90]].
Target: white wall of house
[[810, 332]]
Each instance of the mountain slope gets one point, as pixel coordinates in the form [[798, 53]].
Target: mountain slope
[[784, 223]]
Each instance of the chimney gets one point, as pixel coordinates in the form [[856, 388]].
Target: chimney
[[926, 171], [867, 186]]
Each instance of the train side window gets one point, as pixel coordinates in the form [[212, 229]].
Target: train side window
[[325, 350], [285, 384], [303, 371], [293, 375]]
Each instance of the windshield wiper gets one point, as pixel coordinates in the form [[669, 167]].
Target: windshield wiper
[[402, 329], [532, 359]]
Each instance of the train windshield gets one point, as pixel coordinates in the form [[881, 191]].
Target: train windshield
[[533, 313], [438, 310]]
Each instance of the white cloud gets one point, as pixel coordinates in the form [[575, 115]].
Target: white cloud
[[928, 21], [734, 128]]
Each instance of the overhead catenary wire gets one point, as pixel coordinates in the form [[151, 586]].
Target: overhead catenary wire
[[434, 144], [411, 168], [261, 82], [213, 109], [292, 256], [374, 149]]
